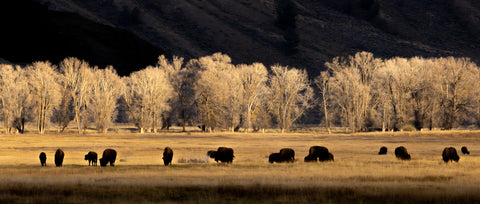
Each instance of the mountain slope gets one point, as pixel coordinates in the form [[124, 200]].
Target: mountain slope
[[32, 33], [246, 30]]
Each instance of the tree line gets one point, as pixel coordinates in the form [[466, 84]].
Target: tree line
[[362, 92], [359, 92], [209, 91]]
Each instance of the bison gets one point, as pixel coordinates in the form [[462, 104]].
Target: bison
[[211, 154], [449, 154], [383, 150], [274, 157], [59, 154], [330, 157], [167, 156], [43, 159], [310, 158], [223, 154], [92, 158], [401, 153], [109, 156], [319, 152], [285, 155], [465, 150]]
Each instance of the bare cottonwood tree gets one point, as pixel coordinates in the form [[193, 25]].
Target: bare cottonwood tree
[[106, 89], [76, 81], [352, 88], [253, 79], [424, 98], [322, 82], [291, 94], [262, 114], [14, 96], [458, 77], [182, 80], [401, 86], [215, 93], [146, 94], [43, 81]]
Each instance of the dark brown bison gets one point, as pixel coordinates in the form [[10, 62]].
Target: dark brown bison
[[402, 153], [223, 154], [449, 154], [274, 157], [59, 154], [319, 152], [211, 154], [43, 159], [285, 155], [310, 158], [109, 156], [465, 150], [383, 150], [330, 157], [167, 156], [92, 158]]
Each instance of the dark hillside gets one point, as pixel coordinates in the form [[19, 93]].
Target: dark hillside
[[31, 32], [246, 30]]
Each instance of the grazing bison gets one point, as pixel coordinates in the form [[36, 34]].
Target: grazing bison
[[285, 155], [59, 157], [330, 157], [223, 154], [465, 150], [401, 153], [383, 150], [43, 159], [92, 158], [310, 158], [211, 154], [449, 154], [274, 157], [109, 156], [319, 152], [167, 156]]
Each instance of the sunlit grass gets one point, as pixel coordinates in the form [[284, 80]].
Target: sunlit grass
[[358, 173]]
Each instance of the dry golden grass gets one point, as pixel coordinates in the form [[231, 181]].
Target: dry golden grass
[[357, 175]]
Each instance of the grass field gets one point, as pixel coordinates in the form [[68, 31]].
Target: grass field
[[358, 174]]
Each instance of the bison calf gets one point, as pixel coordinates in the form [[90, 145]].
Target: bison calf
[[449, 154], [59, 154], [383, 150], [43, 159], [167, 156], [109, 156], [465, 150], [92, 158], [223, 154], [401, 153]]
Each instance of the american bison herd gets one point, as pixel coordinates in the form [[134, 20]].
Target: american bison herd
[[109, 156], [225, 155]]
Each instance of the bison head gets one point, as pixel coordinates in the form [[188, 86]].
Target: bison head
[[103, 162], [211, 154]]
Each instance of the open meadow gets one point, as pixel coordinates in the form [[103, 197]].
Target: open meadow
[[357, 175]]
